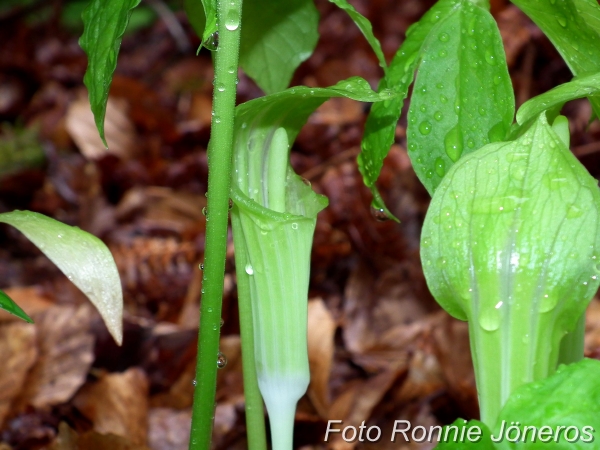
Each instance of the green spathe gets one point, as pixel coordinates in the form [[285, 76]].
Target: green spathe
[[7, 304], [82, 257], [510, 243]]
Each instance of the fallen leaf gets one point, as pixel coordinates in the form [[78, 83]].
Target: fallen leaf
[[117, 404], [321, 330]]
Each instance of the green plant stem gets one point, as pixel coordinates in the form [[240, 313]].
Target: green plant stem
[[255, 417], [220, 152], [514, 354]]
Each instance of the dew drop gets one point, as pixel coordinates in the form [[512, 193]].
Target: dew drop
[[429, 174], [440, 166], [230, 204], [209, 309], [294, 226], [194, 383], [212, 42], [60, 236], [562, 21], [490, 58], [232, 21], [201, 266], [204, 210], [453, 144], [489, 319], [220, 87], [425, 128], [221, 360], [443, 37], [438, 116], [443, 99], [574, 212], [379, 214], [249, 269]]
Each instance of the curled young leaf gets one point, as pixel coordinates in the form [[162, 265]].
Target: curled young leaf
[[511, 244], [82, 257]]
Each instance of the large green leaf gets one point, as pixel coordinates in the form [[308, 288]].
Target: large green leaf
[[554, 99], [562, 411], [463, 97], [82, 257], [276, 37], [7, 304], [365, 27], [573, 28], [105, 22]]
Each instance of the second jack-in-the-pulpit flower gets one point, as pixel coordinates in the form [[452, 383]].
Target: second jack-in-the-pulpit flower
[[511, 244], [273, 219]]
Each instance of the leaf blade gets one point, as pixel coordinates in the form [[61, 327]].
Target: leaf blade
[[276, 37], [84, 258], [8, 304], [105, 22]]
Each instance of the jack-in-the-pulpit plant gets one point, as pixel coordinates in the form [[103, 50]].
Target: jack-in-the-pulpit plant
[[511, 244], [273, 220]]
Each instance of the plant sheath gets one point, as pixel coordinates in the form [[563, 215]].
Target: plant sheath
[[220, 152]]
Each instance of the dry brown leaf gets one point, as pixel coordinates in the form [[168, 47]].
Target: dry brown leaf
[[321, 330], [357, 403], [65, 347], [118, 128], [451, 346], [68, 439], [28, 298], [18, 352], [169, 429], [117, 404]]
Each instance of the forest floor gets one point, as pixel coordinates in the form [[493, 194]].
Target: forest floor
[[380, 348]]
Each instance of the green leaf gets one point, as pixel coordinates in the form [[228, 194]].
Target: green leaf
[[276, 37], [575, 35], [7, 304], [82, 257], [273, 220], [365, 27], [210, 17], [105, 22], [463, 97], [578, 88], [463, 435], [194, 10], [566, 402], [510, 243]]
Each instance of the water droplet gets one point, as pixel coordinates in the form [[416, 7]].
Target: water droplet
[[232, 70], [490, 58], [294, 226], [217, 119], [209, 309], [204, 210], [574, 212], [60, 236], [222, 322], [562, 20], [482, 111], [425, 128], [443, 99], [438, 116], [249, 269], [443, 37], [489, 318], [429, 174], [423, 108], [470, 143], [442, 53], [194, 383], [220, 87], [440, 166], [441, 262], [425, 242], [221, 360], [412, 147], [201, 266], [453, 143], [232, 21], [230, 204], [379, 214], [212, 42]]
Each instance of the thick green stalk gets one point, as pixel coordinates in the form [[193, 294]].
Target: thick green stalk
[[220, 152], [255, 418]]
